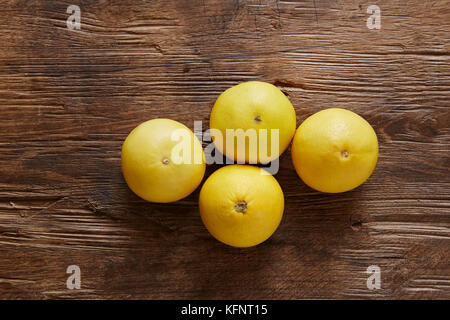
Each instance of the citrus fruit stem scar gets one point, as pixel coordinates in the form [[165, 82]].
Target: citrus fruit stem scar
[[345, 153], [165, 160], [258, 119], [241, 206]]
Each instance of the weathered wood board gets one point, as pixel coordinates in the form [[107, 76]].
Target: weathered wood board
[[68, 99]]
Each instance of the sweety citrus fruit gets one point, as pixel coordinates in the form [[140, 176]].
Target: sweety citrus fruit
[[162, 160], [240, 206], [334, 150], [260, 121]]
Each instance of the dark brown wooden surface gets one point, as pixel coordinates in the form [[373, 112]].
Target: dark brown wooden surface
[[69, 98]]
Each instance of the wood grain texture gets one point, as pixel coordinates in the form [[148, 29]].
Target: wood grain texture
[[69, 98]]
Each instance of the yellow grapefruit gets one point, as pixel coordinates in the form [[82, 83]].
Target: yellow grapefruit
[[334, 150], [162, 160], [240, 205], [257, 106]]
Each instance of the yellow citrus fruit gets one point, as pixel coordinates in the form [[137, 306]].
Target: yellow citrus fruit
[[162, 160], [241, 205], [334, 150], [253, 105]]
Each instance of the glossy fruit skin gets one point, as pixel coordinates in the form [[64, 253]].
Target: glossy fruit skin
[[227, 187], [334, 150], [143, 167], [253, 105]]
